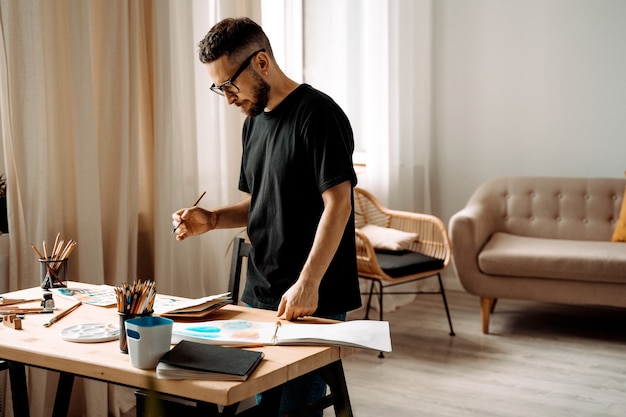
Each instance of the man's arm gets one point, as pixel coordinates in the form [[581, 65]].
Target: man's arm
[[302, 298], [195, 220]]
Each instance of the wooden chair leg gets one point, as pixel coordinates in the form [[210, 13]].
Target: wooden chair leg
[[486, 307]]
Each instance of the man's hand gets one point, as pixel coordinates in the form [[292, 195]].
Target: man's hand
[[192, 222], [298, 301]]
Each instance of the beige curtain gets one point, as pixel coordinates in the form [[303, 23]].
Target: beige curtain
[[198, 146], [107, 126], [386, 94], [76, 110]]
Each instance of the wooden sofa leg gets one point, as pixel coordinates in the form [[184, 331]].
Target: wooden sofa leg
[[486, 308], [494, 301]]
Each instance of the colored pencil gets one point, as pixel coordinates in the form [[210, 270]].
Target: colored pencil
[[137, 298]]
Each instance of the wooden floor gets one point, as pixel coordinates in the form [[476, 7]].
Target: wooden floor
[[539, 360]]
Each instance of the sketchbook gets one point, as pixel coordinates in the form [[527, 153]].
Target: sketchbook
[[189, 360], [189, 309], [365, 334]]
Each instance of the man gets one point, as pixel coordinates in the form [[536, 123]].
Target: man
[[297, 171]]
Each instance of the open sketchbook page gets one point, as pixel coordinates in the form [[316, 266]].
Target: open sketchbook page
[[366, 334]]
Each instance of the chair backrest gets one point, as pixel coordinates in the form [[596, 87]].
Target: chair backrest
[[433, 236], [368, 210], [241, 249]]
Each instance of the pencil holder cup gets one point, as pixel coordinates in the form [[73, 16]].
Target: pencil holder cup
[[123, 318], [148, 339], [53, 273]]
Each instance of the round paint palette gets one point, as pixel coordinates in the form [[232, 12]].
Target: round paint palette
[[90, 333]]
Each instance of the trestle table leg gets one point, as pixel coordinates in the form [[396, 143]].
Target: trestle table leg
[[64, 393], [19, 390], [335, 377]]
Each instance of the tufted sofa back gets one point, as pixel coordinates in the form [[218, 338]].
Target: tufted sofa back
[[552, 207]]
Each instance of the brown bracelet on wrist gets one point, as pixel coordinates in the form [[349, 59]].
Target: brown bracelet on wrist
[[217, 219]]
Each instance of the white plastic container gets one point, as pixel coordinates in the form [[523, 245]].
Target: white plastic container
[[149, 338]]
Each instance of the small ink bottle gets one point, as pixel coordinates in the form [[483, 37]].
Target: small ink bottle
[[47, 302]]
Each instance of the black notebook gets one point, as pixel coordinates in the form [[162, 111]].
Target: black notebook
[[192, 360]]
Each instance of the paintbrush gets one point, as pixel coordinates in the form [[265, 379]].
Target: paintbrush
[[62, 314], [25, 311], [11, 301], [193, 205]]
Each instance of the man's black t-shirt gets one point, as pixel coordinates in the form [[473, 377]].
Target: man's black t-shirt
[[291, 155]]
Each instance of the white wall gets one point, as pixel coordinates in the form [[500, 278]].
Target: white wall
[[532, 87]]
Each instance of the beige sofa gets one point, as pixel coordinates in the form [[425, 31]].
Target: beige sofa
[[541, 238]]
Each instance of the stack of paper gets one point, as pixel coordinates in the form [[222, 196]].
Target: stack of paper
[[191, 309]]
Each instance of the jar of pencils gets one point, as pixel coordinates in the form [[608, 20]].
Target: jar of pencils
[[127, 316], [53, 265], [53, 273], [136, 300]]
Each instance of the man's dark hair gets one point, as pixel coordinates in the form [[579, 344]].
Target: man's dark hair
[[235, 38]]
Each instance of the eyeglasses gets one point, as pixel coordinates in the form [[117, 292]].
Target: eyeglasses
[[229, 86]]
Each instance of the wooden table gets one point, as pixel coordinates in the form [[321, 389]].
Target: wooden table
[[36, 345]]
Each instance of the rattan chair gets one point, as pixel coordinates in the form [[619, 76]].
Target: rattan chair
[[427, 257]]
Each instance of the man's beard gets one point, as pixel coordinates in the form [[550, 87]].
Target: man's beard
[[261, 96]]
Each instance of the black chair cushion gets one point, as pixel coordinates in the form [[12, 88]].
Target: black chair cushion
[[401, 263]]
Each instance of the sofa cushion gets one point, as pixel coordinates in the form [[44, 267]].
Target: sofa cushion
[[402, 263], [511, 255]]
